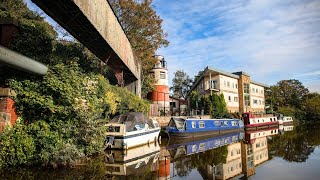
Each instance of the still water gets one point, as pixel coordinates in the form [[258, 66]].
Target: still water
[[286, 152]]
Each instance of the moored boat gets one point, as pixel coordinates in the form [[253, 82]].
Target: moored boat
[[287, 120], [198, 128], [130, 130], [259, 121]]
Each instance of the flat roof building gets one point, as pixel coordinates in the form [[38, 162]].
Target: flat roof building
[[241, 94]]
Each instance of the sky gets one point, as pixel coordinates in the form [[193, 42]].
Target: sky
[[271, 40]]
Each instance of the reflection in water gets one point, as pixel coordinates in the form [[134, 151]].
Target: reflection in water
[[237, 155], [134, 161]]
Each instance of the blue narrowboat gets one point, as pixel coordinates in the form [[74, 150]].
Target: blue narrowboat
[[197, 128]]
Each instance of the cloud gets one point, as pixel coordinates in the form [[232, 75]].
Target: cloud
[[271, 40]]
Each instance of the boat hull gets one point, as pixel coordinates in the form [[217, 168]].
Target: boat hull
[[261, 126], [133, 139]]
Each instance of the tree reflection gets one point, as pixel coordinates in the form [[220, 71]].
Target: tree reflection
[[296, 145]]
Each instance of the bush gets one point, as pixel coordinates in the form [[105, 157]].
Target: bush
[[17, 147]]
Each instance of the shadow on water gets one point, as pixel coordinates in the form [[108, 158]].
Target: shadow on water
[[235, 155]]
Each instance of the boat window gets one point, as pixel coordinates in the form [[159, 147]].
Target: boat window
[[225, 123], [216, 123], [113, 169], [113, 129], [201, 124], [193, 124]]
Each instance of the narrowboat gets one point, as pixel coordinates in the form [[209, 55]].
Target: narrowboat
[[198, 128], [285, 120], [130, 130], [188, 148], [134, 161], [259, 121]]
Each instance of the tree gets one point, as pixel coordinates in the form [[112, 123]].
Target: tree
[[312, 107], [286, 93], [198, 76], [143, 28], [181, 84]]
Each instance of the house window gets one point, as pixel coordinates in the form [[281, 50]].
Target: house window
[[229, 98], [232, 85], [246, 88], [228, 84], [236, 85], [201, 124], [247, 100], [213, 84], [261, 91], [173, 104], [255, 101], [162, 75], [253, 90], [235, 99], [256, 90], [224, 82], [193, 124], [259, 102]]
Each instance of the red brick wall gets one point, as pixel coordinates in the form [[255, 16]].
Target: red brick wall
[[7, 106]]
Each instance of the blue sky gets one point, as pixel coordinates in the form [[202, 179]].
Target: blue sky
[[272, 40]]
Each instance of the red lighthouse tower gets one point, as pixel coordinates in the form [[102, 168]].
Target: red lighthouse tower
[[160, 94]]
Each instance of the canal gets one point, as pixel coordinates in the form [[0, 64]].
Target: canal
[[287, 152]]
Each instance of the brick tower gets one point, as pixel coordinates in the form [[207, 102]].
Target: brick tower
[[160, 95]]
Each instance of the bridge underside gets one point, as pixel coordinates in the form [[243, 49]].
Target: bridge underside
[[95, 27]]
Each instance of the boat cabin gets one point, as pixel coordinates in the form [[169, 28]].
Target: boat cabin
[[181, 124]]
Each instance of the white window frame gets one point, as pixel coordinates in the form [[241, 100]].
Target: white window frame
[[201, 124]]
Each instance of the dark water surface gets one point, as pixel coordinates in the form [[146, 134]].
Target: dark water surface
[[285, 153]]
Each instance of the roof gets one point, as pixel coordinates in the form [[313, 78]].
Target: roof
[[260, 84]]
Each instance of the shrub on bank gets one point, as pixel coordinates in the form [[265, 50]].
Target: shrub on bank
[[64, 116]]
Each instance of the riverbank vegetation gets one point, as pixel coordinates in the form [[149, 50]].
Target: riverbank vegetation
[[291, 98], [62, 114]]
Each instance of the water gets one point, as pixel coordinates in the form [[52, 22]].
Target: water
[[285, 153]]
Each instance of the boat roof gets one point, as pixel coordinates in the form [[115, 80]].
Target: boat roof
[[131, 119]]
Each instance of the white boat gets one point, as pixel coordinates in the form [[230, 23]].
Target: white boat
[[130, 130], [287, 120]]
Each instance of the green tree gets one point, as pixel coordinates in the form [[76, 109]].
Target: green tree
[[143, 28], [197, 76], [62, 113], [286, 93], [312, 107], [181, 84]]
